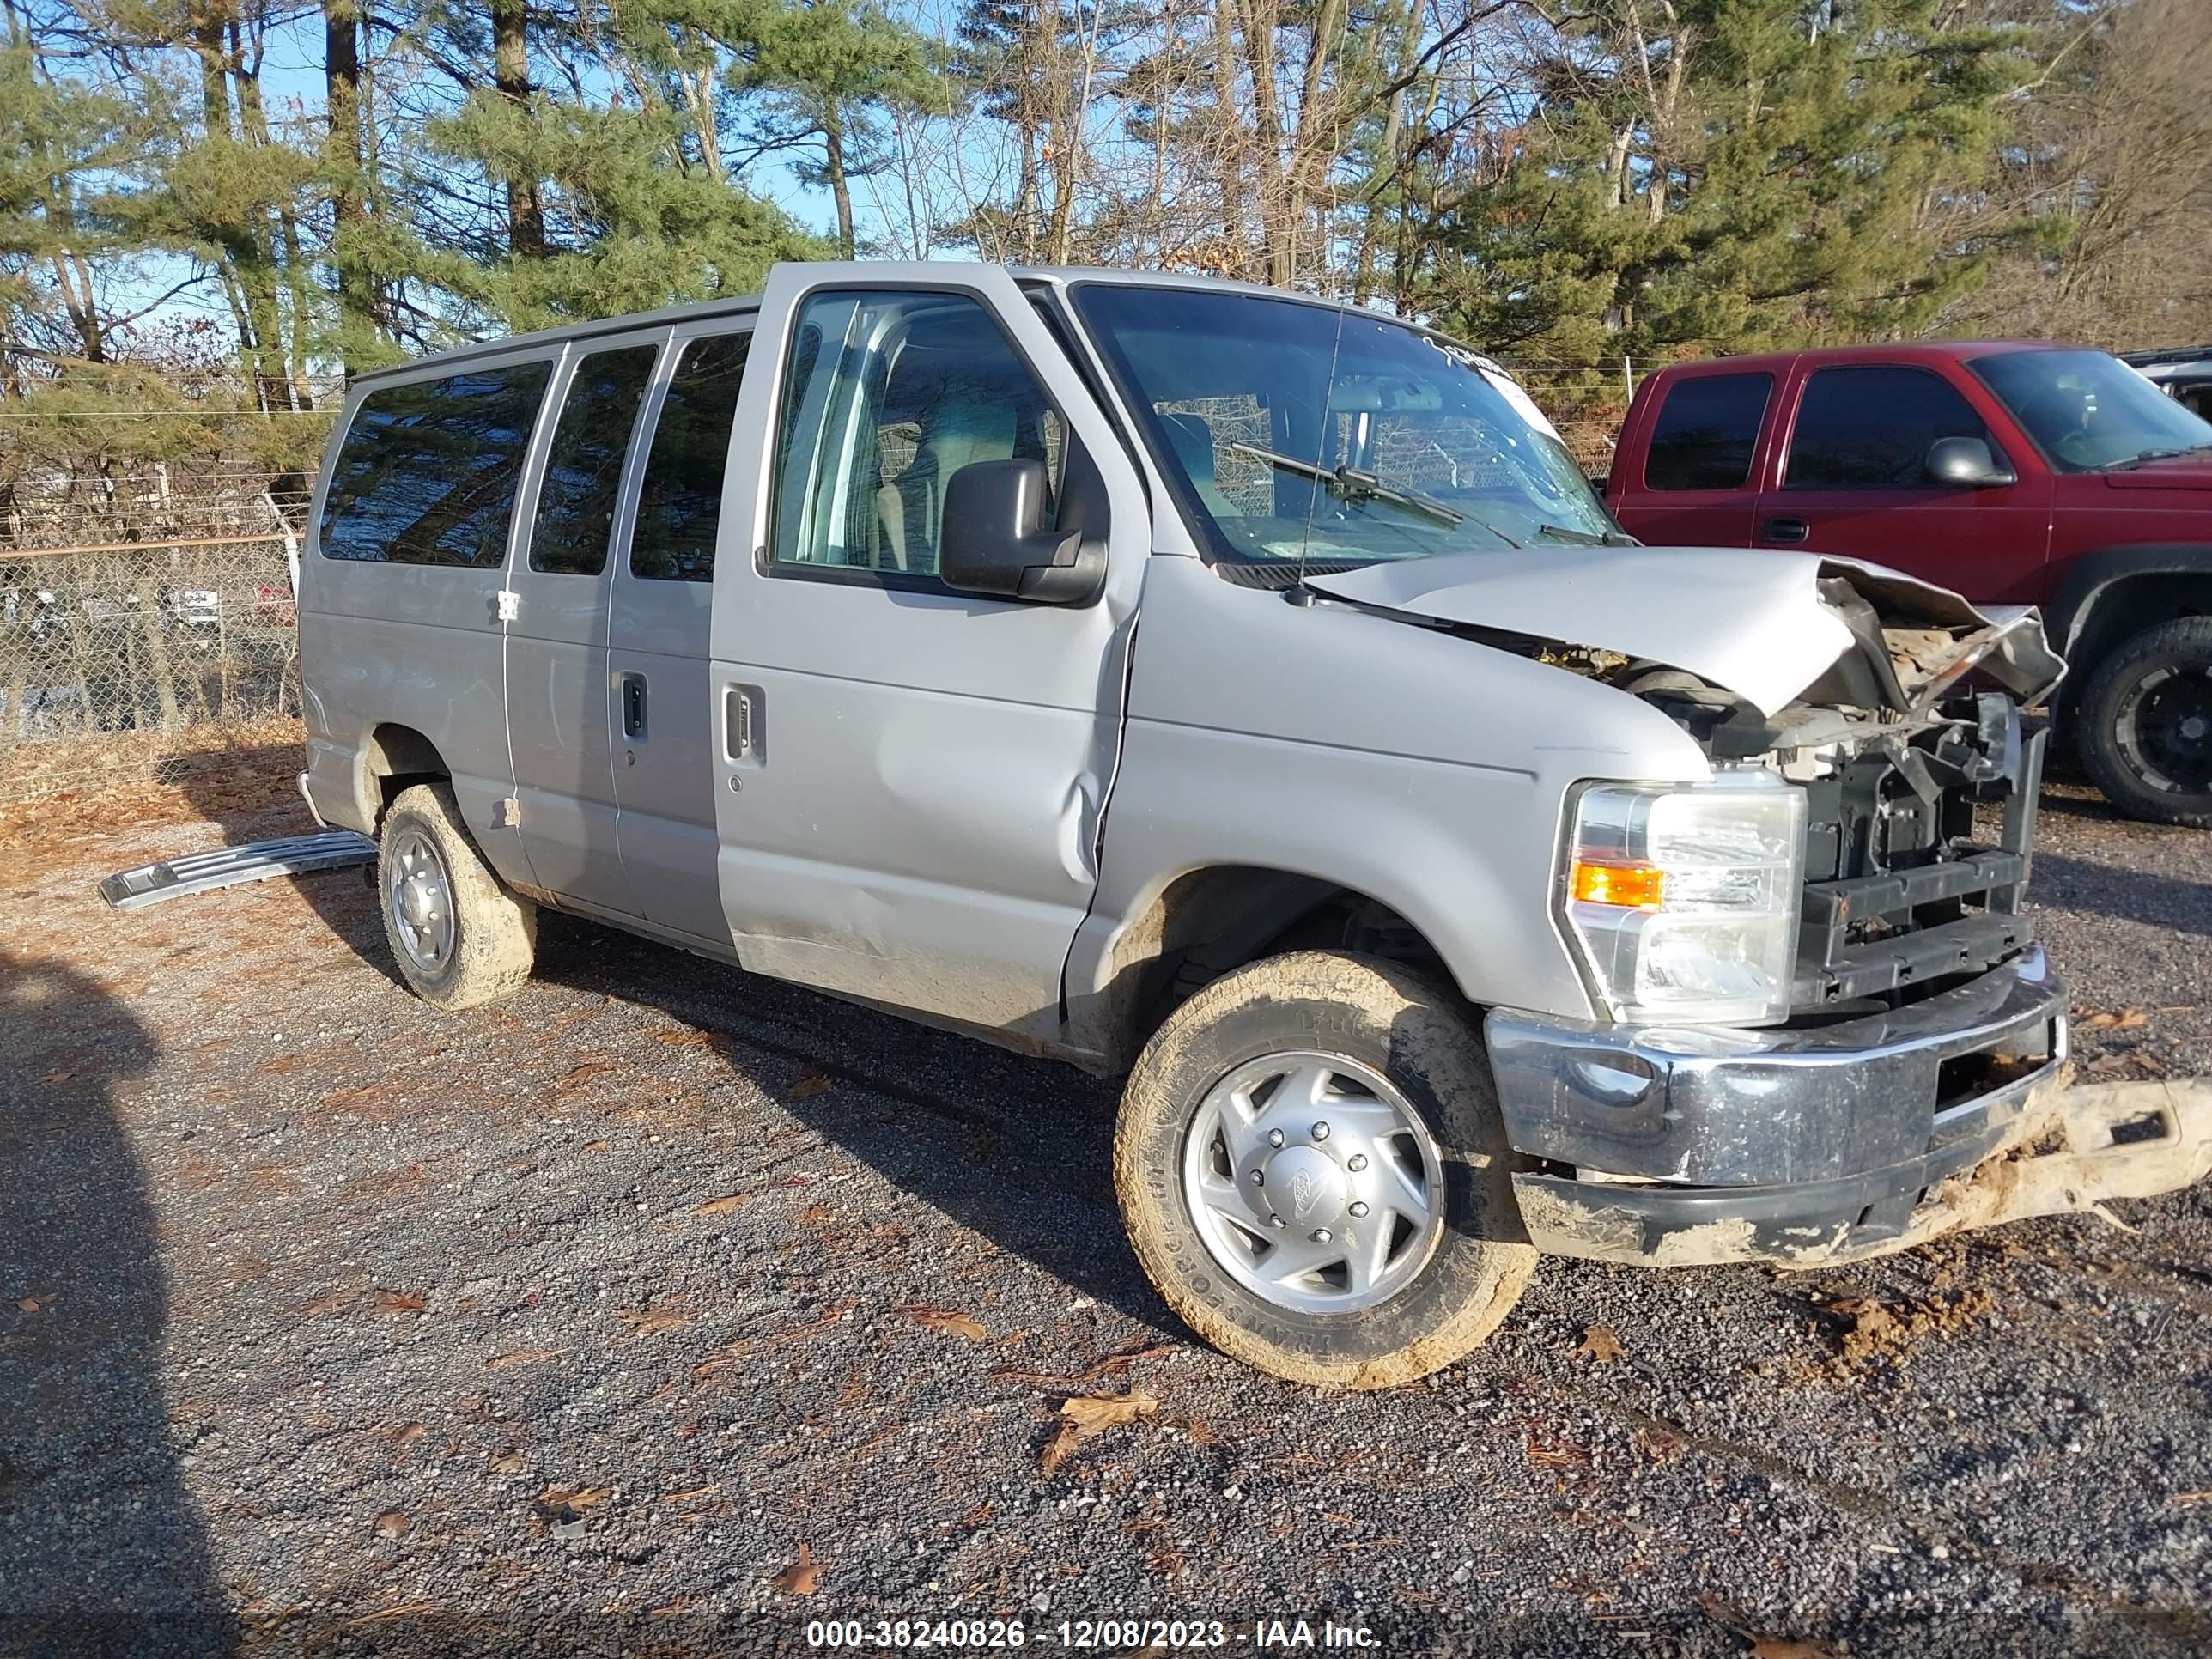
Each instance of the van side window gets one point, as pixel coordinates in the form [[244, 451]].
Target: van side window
[[680, 507], [888, 396], [1706, 431], [584, 463], [1871, 427], [428, 470]]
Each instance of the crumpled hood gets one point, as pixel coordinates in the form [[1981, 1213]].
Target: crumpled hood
[[1753, 622]]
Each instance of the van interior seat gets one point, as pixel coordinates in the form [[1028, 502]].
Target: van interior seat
[[1191, 437], [911, 508]]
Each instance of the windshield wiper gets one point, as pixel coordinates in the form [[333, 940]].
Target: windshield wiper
[[2140, 457], [1575, 538], [1349, 484]]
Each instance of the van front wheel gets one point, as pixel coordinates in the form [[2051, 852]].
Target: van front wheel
[[458, 937], [1312, 1169]]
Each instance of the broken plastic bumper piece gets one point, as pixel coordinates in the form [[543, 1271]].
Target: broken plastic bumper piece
[[1807, 1147]]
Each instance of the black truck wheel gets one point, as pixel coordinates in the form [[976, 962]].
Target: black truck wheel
[[1312, 1169], [2144, 723]]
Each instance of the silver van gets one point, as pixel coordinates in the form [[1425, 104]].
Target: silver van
[[1240, 691]]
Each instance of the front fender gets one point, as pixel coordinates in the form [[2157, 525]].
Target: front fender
[[1403, 762]]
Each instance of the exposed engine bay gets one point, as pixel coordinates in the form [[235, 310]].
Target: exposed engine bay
[[1895, 706]]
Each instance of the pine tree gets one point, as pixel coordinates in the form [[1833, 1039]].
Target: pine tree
[[1729, 174]]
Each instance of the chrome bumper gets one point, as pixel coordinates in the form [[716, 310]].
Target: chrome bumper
[[1779, 1136]]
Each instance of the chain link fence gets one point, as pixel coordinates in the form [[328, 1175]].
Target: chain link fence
[[123, 663]]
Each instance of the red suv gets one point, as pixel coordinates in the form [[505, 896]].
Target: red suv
[[2014, 473]]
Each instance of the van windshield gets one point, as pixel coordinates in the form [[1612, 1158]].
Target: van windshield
[[1303, 434]]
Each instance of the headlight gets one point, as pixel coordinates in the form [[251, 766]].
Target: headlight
[[1684, 902]]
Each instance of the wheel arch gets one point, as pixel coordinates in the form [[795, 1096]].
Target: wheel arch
[[2109, 595], [393, 757], [1193, 925]]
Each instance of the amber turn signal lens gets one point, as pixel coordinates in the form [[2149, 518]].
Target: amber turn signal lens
[[1625, 886]]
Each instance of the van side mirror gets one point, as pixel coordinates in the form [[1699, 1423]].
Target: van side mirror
[[1967, 463], [994, 538]]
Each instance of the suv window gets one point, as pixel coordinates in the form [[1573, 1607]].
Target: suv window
[[890, 395], [428, 470], [1871, 427], [583, 467], [1706, 431], [679, 508], [2085, 409]]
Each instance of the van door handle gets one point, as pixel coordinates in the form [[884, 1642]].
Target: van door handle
[[633, 705], [1786, 530], [741, 722]]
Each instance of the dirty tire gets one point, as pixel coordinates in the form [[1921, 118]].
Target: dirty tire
[[2115, 695], [1425, 1039], [495, 934]]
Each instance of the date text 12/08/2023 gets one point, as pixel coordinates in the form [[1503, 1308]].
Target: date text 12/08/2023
[[1110, 1633]]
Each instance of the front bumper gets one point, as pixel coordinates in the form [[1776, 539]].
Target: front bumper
[[1699, 1145]]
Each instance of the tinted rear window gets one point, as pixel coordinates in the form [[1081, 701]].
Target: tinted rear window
[[428, 470], [1706, 431], [584, 464], [680, 503]]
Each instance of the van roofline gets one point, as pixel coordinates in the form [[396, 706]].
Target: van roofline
[[738, 304]]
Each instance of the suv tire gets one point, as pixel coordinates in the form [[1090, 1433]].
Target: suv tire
[[459, 937], [2145, 719], [1372, 1044]]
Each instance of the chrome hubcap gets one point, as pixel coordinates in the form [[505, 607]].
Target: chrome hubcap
[[1313, 1184], [421, 900]]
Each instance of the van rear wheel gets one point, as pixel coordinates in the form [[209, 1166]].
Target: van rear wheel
[[458, 937], [1312, 1169]]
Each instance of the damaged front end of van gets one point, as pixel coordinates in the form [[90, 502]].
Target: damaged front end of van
[[1829, 1030]]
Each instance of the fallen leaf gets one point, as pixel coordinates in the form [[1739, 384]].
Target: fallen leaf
[[331, 1303], [1112, 1365], [391, 1523], [281, 1063], [2127, 1019], [723, 1205], [953, 1324], [1599, 1343], [509, 1461], [2189, 1499], [522, 1356], [406, 1434], [583, 1072], [1769, 1647], [813, 1081], [574, 1498], [1565, 1455], [595, 1146], [1084, 1417], [58, 1077], [687, 1038], [398, 1301], [30, 1304], [650, 1321], [801, 1578]]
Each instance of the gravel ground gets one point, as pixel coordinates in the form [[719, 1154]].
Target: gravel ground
[[662, 1309]]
